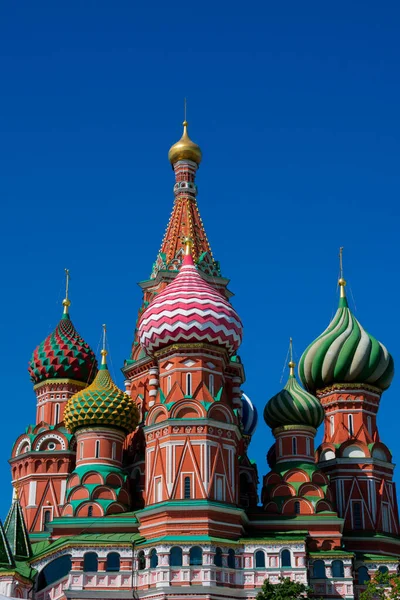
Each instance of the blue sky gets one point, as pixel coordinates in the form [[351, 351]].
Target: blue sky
[[296, 108]]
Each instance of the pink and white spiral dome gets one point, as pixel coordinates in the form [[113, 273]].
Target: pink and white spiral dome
[[189, 310]]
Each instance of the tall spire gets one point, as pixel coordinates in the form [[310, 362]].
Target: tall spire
[[6, 557], [16, 532], [66, 301], [103, 350], [291, 363], [342, 281]]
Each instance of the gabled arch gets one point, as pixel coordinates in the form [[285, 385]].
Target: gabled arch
[[21, 446], [306, 508], [296, 476], [319, 478], [79, 493], [103, 493], [156, 415], [272, 508], [115, 508], [354, 449], [187, 410], [92, 477], [73, 480], [82, 510], [381, 452], [322, 506], [283, 489], [310, 489], [114, 480], [218, 410]]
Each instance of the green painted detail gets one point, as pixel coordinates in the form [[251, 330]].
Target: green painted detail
[[86, 539], [16, 532], [293, 406], [191, 503], [101, 404], [345, 353], [6, 557], [21, 569], [219, 394]]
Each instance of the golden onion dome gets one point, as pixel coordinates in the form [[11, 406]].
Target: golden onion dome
[[185, 149]]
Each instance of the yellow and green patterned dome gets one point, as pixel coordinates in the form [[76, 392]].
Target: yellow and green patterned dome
[[101, 404]]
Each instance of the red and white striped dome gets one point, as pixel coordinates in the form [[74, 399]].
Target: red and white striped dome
[[189, 310]]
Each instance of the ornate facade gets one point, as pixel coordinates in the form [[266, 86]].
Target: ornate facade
[[149, 493]]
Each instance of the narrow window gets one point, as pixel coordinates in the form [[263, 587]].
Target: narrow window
[[57, 414], [308, 447], [113, 450], [188, 384], [195, 556], [337, 568], [169, 383], [385, 517], [90, 511], [42, 413], [81, 450], [280, 447], [297, 507], [90, 562], [285, 558], [218, 557], [231, 559], [357, 515], [260, 559], [319, 569], [113, 561], [294, 446], [362, 576], [219, 484], [46, 517], [153, 559], [97, 450], [175, 557], [187, 491], [211, 384], [369, 424], [351, 428], [158, 489], [332, 424], [141, 561]]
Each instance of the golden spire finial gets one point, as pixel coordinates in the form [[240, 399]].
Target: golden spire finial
[[188, 245], [185, 123], [66, 301], [16, 491], [291, 363], [342, 281], [185, 149], [103, 350]]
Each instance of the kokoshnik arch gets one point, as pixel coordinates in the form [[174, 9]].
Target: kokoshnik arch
[[151, 492]]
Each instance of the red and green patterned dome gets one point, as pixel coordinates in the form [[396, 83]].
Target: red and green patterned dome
[[64, 354]]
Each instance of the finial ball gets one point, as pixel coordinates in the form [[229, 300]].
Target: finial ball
[[342, 282], [292, 365]]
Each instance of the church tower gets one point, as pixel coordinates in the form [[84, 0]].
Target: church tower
[[348, 370], [42, 457]]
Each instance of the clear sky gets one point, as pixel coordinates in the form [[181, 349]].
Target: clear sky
[[296, 108]]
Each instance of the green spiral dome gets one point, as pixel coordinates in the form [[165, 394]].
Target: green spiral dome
[[101, 404], [293, 406], [345, 353]]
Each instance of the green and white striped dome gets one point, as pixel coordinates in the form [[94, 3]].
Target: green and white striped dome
[[345, 353], [293, 406]]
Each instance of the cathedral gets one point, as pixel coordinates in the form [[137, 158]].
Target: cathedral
[[149, 492]]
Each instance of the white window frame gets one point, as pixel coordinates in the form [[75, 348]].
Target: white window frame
[[189, 384], [350, 422], [211, 384]]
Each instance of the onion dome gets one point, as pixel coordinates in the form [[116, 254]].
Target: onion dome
[[101, 404], [249, 416], [185, 149], [293, 406], [64, 354], [189, 310], [345, 353]]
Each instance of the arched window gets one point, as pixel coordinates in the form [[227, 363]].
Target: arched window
[[54, 571], [369, 424], [280, 447], [57, 414], [319, 569], [90, 562], [47, 516], [260, 559], [175, 556], [211, 384], [90, 511], [362, 576], [153, 559], [351, 425], [188, 384], [113, 561], [81, 450], [218, 557], [297, 507], [219, 491], [332, 424], [337, 568], [187, 492], [308, 447], [97, 449], [195, 556], [113, 451], [169, 383], [231, 559], [294, 446], [141, 561], [357, 515], [285, 559], [383, 570]]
